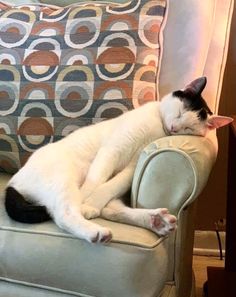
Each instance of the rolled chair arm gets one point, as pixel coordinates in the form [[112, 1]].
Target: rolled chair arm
[[172, 171]]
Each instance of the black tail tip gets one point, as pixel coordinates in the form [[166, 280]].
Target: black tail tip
[[23, 211]]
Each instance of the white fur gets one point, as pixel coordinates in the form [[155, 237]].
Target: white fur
[[80, 176]]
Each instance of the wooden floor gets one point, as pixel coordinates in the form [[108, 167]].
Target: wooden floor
[[200, 264]]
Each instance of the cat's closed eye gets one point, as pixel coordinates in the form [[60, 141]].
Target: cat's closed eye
[[179, 115], [188, 130]]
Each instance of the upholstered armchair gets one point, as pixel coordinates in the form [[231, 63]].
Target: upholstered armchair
[[43, 260]]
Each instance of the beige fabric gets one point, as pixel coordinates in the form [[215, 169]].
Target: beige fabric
[[12, 289], [217, 54], [27, 254], [171, 172], [169, 291], [180, 164], [20, 2], [186, 42], [47, 257], [68, 2]]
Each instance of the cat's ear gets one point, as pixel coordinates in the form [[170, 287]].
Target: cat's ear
[[216, 121], [197, 86]]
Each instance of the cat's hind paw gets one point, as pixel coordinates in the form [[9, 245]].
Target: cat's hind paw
[[102, 235], [89, 212], [162, 222]]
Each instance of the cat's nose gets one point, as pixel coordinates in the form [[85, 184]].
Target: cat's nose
[[173, 129]]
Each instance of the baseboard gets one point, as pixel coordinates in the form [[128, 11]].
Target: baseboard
[[206, 243]]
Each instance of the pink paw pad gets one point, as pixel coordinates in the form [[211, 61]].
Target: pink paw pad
[[106, 238], [155, 221], [102, 237], [95, 239], [162, 222], [172, 219], [164, 211]]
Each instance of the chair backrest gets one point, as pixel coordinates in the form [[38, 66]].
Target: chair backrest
[[187, 37], [195, 44]]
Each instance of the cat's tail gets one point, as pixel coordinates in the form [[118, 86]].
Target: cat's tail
[[23, 211]]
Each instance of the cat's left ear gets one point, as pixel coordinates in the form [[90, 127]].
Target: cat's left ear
[[216, 121], [197, 86]]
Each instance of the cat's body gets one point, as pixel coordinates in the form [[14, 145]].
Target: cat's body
[[81, 176]]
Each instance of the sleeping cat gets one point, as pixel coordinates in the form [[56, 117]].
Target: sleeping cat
[[83, 175]]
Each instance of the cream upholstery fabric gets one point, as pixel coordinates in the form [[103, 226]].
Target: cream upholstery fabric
[[47, 257], [20, 2], [68, 2], [42, 260], [160, 163], [187, 38], [217, 54]]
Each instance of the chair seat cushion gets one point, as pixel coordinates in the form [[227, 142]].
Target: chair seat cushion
[[43, 255]]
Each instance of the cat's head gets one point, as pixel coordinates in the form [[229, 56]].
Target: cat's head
[[186, 112]]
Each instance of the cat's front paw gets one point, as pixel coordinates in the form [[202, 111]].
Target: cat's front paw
[[162, 222], [89, 212]]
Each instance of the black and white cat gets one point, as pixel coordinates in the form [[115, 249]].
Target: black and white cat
[[83, 175]]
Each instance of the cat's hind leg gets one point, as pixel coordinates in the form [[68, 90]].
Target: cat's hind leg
[[113, 188], [100, 170], [157, 220], [84, 229], [67, 215]]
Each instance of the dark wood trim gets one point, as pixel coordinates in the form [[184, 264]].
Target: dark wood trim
[[230, 258], [222, 281]]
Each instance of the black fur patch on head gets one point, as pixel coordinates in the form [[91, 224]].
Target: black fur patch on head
[[194, 102]]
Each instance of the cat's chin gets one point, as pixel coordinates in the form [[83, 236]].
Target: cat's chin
[[166, 130]]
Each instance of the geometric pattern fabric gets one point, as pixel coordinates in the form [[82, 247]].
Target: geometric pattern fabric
[[65, 68]]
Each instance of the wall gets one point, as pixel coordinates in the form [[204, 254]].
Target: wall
[[211, 205]]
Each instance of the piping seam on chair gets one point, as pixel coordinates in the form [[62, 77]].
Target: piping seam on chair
[[187, 201], [113, 241], [156, 153], [52, 289]]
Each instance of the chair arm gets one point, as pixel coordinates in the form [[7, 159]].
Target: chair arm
[[172, 171]]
